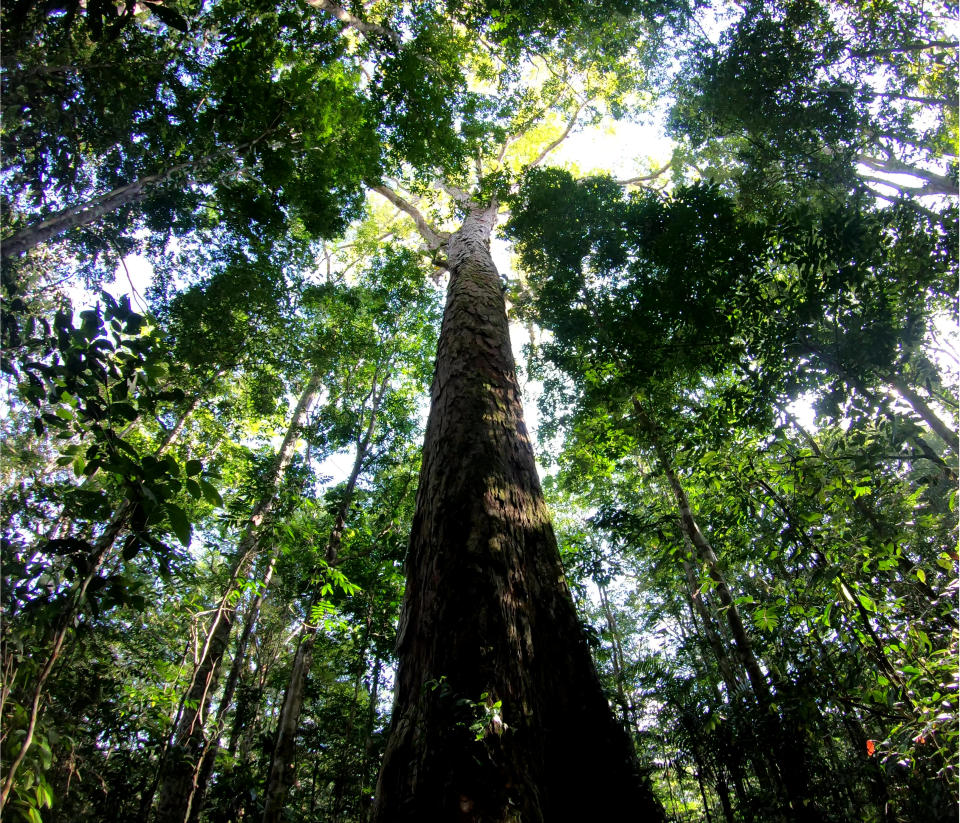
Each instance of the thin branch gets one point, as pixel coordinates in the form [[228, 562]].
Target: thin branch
[[631, 181], [905, 49], [912, 204], [566, 133]]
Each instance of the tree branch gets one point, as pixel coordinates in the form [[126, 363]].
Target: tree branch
[[938, 183], [905, 49], [645, 177], [339, 13], [919, 191], [460, 197], [566, 133], [433, 238]]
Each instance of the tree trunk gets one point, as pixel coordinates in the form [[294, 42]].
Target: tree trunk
[[230, 688], [498, 714], [923, 410], [92, 210], [617, 658], [182, 767], [691, 530], [280, 777], [788, 756], [695, 598], [369, 741], [74, 603]]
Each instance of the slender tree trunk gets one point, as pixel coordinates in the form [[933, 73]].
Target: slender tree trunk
[[690, 527], [499, 714], [787, 760], [703, 791], [74, 604], [92, 210], [344, 772], [230, 687], [618, 662], [723, 792], [695, 596], [182, 768], [280, 776], [369, 741], [731, 757]]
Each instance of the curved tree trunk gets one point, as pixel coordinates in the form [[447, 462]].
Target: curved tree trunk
[[499, 714]]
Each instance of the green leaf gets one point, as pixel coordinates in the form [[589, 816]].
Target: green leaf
[[44, 796], [921, 575], [210, 492], [124, 410], [766, 619], [179, 523], [194, 467]]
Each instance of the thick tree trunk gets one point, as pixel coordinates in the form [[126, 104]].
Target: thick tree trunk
[[181, 770], [499, 714]]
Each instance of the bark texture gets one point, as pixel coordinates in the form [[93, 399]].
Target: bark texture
[[499, 714]]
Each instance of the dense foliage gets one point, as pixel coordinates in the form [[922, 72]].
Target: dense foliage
[[748, 414]]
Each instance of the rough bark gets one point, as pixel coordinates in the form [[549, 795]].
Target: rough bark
[[181, 770], [499, 714]]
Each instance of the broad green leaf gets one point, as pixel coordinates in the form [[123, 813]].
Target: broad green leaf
[[210, 493], [179, 523]]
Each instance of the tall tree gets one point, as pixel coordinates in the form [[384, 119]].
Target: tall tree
[[493, 664]]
